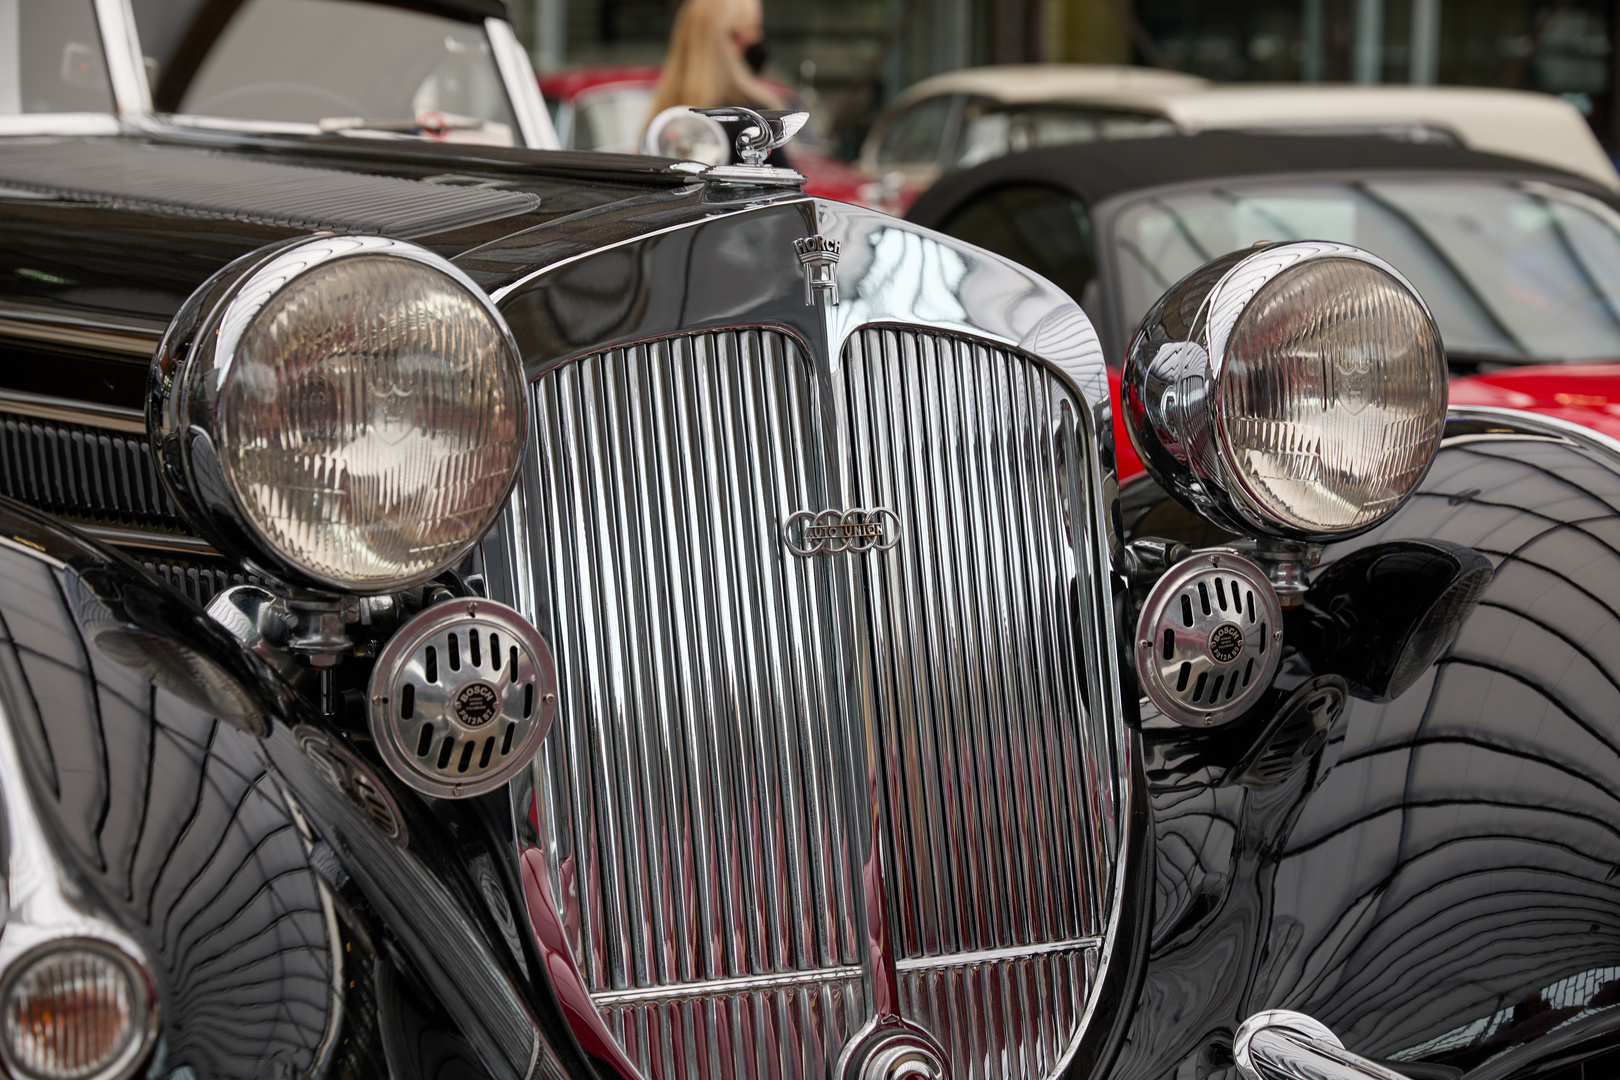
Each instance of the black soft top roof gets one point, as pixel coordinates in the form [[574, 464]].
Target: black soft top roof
[[1097, 170]]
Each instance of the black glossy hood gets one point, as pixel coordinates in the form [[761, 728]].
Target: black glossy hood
[[116, 232], [128, 227]]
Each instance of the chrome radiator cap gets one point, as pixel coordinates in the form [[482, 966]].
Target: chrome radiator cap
[[461, 697]]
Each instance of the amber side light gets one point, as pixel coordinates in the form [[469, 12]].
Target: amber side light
[[75, 1011]]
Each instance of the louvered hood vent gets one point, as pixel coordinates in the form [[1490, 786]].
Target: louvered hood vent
[[741, 691]]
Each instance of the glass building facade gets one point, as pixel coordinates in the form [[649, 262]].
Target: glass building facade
[[850, 57]]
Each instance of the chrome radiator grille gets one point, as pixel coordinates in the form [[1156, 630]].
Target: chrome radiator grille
[[85, 471], [721, 700], [979, 682]]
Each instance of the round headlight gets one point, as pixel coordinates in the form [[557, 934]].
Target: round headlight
[[350, 410], [75, 1010], [1296, 391]]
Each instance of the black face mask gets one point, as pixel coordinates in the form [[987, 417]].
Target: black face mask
[[754, 56]]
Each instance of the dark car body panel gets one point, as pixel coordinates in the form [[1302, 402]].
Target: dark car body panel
[[300, 911], [1438, 881]]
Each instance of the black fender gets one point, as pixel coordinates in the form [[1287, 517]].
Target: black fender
[[1438, 878], [301, 913]]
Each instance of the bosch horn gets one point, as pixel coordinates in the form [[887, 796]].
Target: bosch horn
[[461, 697], [1209, 638]]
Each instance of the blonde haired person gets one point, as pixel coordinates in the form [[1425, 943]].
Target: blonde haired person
[[715, 48]]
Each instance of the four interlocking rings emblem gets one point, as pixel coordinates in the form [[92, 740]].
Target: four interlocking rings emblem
[[833, 532]]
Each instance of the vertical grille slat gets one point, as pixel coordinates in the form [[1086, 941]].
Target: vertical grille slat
[[715, 691], [102, 476]]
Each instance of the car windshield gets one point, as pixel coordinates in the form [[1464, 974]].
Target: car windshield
[[1514, 272], [992, 131], [51, 60], [612, 118], [345, 65]]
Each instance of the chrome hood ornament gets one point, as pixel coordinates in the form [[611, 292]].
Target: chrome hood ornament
[[767, 130]]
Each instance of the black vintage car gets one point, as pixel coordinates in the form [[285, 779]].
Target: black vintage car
[[470, 610]]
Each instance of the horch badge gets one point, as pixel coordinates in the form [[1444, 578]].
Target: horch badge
[[819, 257]]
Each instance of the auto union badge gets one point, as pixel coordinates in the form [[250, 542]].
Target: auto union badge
[[834, 532], [819, 257]]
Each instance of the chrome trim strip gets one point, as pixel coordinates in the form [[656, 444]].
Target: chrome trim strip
[[522, 87], [1552, 425], [68, 411], [126, 65], [242, 125], [60, 124], [136, 339], [538, 278], [991, 956], [726, 987], [146, 541]]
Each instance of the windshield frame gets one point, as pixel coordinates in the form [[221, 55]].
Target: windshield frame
[[1107, 212], [132, 93]]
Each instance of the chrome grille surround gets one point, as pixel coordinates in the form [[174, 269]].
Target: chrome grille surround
[[787, 800]]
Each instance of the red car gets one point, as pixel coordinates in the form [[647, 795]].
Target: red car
[[1586, 394], [1519, 263], [606, 108]]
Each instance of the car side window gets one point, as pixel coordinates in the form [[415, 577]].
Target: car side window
[[990, 130], [1045, 228], [51, 60], [914, 136]]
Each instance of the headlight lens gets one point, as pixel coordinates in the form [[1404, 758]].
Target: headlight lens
[[1333, 397], [350, 413], [1296, 392], [74, 1011]]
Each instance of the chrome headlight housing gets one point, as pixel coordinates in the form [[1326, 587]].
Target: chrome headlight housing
[[345, 412], [1295, 391]]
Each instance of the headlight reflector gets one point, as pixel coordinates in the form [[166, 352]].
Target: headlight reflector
[[357, 418], [74, 1011], [1297, 392]]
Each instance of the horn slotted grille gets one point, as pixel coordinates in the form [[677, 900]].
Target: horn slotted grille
[[717, 696]]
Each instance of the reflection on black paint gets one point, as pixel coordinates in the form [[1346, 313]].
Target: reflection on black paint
[[172, 822], [1443, 881]]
